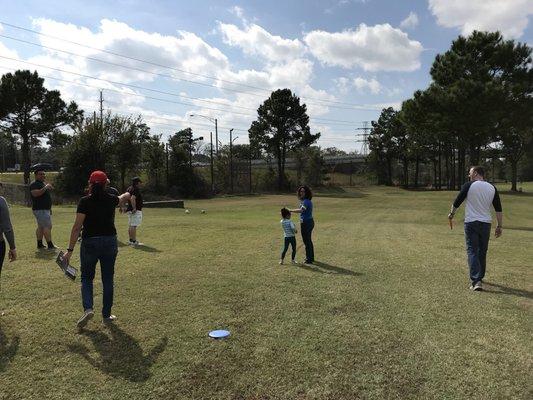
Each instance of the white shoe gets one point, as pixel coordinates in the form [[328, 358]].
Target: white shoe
[[294, 262], [280, 262], [478, 286], [85, 318], [110, 319]]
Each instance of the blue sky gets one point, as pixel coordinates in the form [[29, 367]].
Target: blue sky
[[346, 58]]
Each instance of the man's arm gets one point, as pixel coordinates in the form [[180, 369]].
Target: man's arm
[[459, 199], [40, 192], [133, 203], [7, 228], [497, 204]]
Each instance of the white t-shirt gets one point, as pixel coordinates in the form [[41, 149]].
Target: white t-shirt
[[480, 196]]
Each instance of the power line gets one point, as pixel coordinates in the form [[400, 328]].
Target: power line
[[327, 120], [352, 105]]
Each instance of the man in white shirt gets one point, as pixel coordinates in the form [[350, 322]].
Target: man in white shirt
[[480, 196]]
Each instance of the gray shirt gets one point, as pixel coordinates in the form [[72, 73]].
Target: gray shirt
[[6, 229]]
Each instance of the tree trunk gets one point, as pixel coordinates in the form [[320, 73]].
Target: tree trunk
[[439, 182], [514, 175], [26, 161], [417, 171], [406, 173], [389, 172], [280, 172]]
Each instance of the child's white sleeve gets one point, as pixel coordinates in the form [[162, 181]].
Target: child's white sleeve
[[293, 227]]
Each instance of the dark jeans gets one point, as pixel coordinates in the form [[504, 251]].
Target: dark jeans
[[292, 242], [307, 229], [2, 253], [477, 235], [94, 249]]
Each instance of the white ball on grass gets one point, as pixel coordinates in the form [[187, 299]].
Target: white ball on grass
[[187, 212], [203, 211]]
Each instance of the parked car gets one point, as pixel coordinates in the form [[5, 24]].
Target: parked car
[[42, 167]]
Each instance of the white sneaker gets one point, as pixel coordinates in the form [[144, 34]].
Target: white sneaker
[[294, 262], [478, 286], [280, 262], [111, 318], [85, 318]]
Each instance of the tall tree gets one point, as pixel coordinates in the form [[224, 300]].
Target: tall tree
[[155, 158], [127, 136], [282, 126], [29, 110], [382, 144]]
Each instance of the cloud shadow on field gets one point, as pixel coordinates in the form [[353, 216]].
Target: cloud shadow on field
[[120, 355], [507, 290], [8, 349], [324, 268]]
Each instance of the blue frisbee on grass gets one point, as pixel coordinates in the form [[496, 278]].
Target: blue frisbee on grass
[[219, 334]]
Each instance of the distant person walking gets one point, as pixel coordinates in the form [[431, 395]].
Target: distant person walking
[[135, 207], [41, 204], [480, 196], [6, 230], [307, 222], [96, 214]]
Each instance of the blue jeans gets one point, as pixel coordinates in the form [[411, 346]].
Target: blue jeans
[[477, 235], [307, 229], [94, 249]]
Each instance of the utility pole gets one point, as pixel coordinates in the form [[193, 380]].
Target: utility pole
[[211, 158], [166, 152], [216, 136], [101, 110], [231, 159]]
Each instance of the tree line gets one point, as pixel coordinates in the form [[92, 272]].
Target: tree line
[[477, 108], [123, 145]]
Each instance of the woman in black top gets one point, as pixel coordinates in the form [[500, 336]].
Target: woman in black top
[[96, 214]]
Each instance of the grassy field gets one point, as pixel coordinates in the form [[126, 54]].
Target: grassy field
[[386, 313]]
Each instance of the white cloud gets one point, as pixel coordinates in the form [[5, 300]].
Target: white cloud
[[373, 48], [364, 85], [238, 11], [410, 22], [510, 17], [254, 40]]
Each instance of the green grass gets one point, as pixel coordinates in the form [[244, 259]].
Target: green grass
[[386, 315], [18, 177]]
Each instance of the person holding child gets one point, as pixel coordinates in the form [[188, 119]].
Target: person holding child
[[289, 232], [307, 222]]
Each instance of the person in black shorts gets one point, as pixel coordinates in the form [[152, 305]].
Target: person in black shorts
[[41, 204], [96, 214]]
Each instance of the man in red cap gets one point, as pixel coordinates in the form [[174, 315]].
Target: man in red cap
[[96, 215]]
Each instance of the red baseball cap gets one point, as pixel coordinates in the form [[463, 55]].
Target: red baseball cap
[[98, 177]]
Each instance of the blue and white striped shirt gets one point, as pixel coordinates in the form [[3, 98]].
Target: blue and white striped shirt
[[289, 229]]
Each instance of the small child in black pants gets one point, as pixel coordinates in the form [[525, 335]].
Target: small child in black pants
[[289, 232]]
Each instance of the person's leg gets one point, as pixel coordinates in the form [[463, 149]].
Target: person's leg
[[484, 238], [39, 229], [472, 250], [311, 245], [132, 231], [304, 227], [2, 254], [108, 256], [286, 242], [293, 245], [88, 260]]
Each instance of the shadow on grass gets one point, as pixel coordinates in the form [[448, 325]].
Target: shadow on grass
[[46, 254], [507, 290], [8, 349], [148, 249], [120, 354], [520, 228], [324, 268], [340, 193]]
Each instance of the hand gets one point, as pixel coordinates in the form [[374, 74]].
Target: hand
[[451, 215], [12, 255], [48, 186], [498, 231], [66, 257]]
